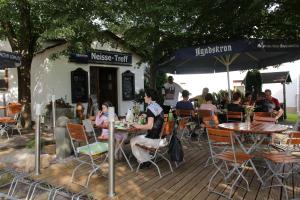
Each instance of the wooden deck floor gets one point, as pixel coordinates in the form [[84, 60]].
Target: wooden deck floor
[[189, 181]]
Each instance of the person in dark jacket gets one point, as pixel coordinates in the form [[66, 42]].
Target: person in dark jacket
[[262, 105], [235, 105], [185, 104], [155, 120]]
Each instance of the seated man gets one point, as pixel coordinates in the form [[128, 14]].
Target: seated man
[[185, 104], [261, 104], [277, 110], [200, 99], [264, 104]]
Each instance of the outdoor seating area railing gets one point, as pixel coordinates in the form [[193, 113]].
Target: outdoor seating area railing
[[20, 185]]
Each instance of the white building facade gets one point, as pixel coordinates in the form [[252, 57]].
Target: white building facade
[[106, 68]]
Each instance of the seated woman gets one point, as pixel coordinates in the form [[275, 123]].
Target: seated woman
[[248, 100], [155, 120], [235, 105], [102, 122], [208, 105], [225, 101]]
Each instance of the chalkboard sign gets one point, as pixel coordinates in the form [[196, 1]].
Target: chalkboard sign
[[128, 89], [79, 85]]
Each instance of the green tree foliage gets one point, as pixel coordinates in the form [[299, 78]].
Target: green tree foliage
[[28, 23], [153, 28], [157, 28], [253, 82], [282, 20]]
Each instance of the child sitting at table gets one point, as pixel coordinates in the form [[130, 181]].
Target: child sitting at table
[[102, 122]]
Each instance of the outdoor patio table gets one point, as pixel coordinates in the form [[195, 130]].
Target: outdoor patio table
[[258, 128], [129, 131]]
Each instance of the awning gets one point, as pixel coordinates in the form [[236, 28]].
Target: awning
[[9, 59], [276, 77]]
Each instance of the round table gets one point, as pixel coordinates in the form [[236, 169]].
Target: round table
[[263, 129], [255, 128]]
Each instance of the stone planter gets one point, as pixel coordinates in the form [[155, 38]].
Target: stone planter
[[48, 121]]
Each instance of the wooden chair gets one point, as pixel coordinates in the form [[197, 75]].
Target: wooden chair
[[233, 163], [234, 116], [211, 122], [185, 122], [13, 121], [13, 108], [264, 119], [203, 113], [158, 151], [277, 163], [85, 153], [185, 113], [89, 128], [262, 114]]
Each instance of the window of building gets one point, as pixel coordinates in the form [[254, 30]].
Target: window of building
[[3, 80]]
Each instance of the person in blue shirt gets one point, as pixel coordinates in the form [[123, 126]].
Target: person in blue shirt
[[185, 104]]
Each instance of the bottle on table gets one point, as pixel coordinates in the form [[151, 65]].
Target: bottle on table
[[170, 116]]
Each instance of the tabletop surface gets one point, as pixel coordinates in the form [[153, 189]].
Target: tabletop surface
[[257, 127], [123, 128]]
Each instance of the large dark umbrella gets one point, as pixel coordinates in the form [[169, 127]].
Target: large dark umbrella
[[9, 59], [231, 56]]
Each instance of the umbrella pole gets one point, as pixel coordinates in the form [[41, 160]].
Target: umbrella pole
[[228, 81], [284, 100]]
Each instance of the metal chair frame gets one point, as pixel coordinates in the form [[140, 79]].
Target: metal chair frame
[[232, 161], [277, 162], [77, 133], [183, 120], [155, 153]]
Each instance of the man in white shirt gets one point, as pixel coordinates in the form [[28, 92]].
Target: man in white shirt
[[171, 92]]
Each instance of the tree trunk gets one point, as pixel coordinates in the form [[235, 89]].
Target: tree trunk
[[153, 73], [24, 92]]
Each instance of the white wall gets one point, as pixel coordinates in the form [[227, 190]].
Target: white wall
[[50, 77]]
